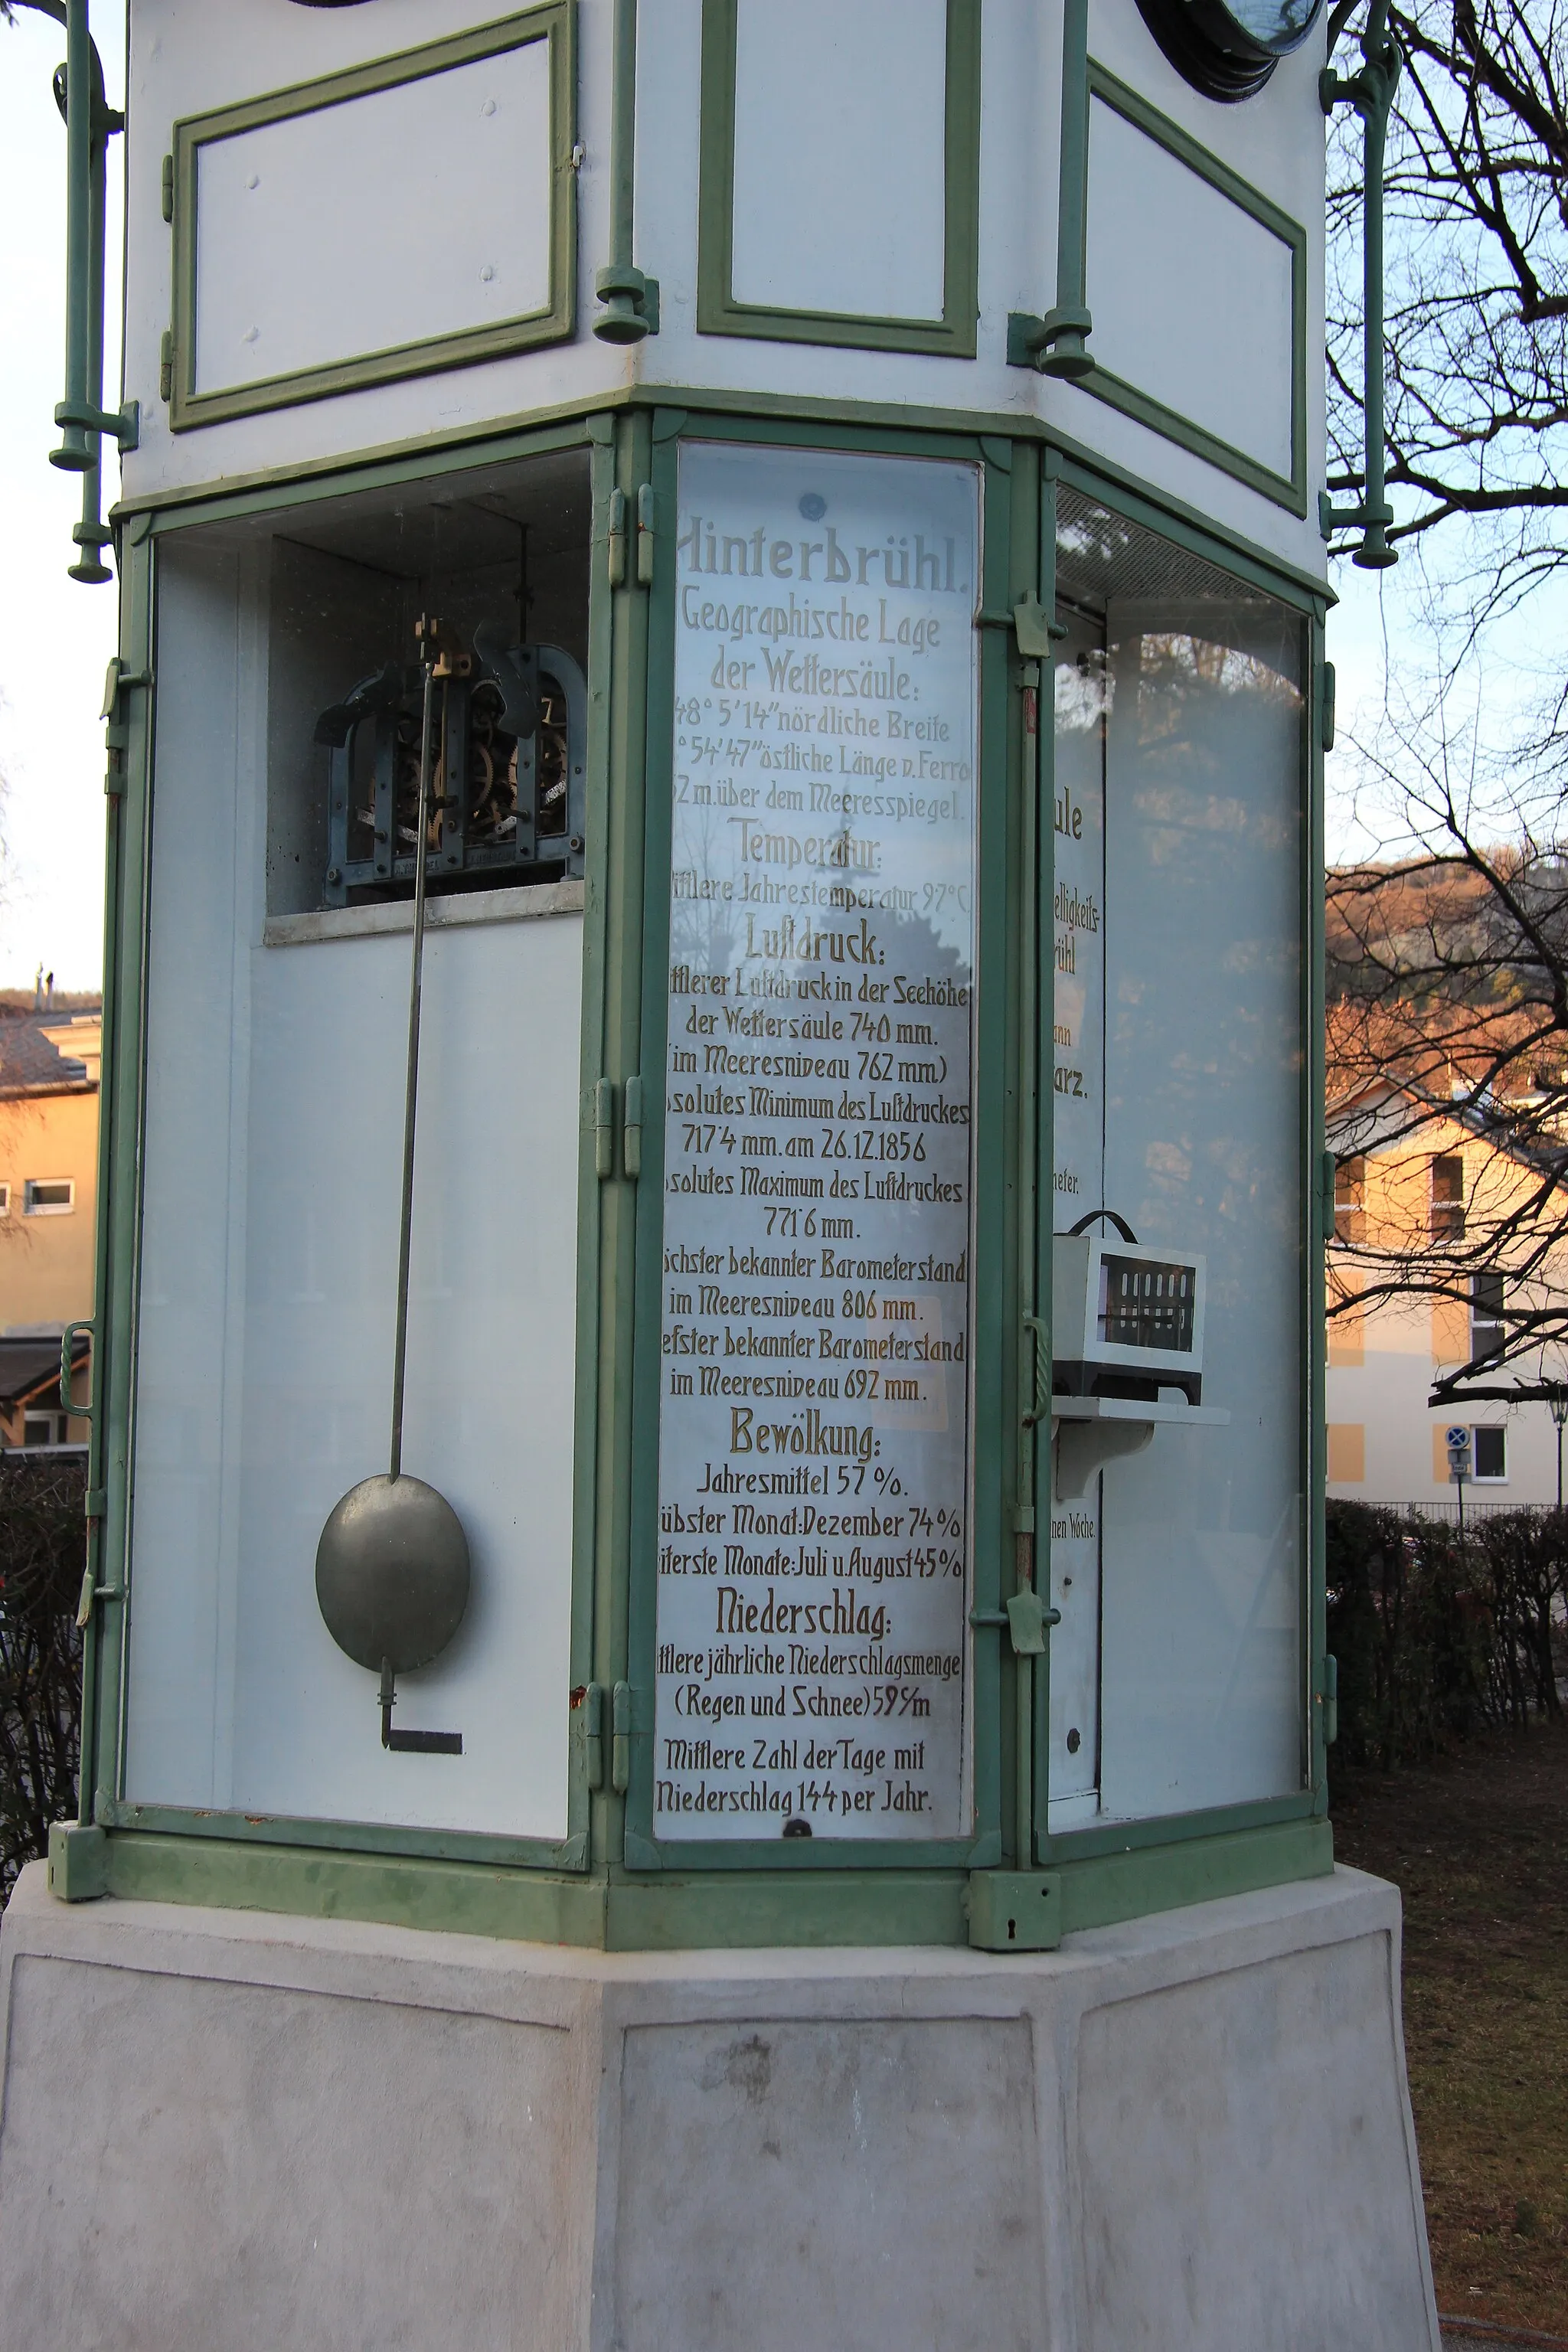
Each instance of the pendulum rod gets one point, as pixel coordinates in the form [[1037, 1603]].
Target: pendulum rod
[[427, 632]]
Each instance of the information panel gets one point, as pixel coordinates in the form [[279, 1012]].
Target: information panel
[[814, 1441]]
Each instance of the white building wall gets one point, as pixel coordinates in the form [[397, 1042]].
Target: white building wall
[[1386, 1397]]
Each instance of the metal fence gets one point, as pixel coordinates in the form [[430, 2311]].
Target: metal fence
[[1490, 1507]]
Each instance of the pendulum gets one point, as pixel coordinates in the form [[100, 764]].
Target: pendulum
[[392, 1566]]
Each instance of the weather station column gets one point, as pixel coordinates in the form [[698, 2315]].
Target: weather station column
[[818, 1251]]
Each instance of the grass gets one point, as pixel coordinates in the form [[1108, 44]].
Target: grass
[[1478, 1844]]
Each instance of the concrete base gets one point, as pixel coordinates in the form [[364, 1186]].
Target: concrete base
[[230, 2132]]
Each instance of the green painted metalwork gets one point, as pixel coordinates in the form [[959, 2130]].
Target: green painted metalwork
[[640, 1848], [1291, 491], [1319, 1221], [1195, 1870], [1371, 92], [77, 1863], [90, 123], [555, 21], [1057, 343], [607, 1883], [717, 312], [625, 1051], [465, 445], [130, 786], [1206, 542], [1015, 1910], [1035, 1490], [630, 299], [721, 1911], [1184, 527]]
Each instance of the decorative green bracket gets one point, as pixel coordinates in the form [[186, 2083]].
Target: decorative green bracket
[[1371, 92], [630, 299], [1057, 343], [90, 123]]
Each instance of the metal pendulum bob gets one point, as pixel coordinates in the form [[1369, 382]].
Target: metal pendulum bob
[[392, 1565]]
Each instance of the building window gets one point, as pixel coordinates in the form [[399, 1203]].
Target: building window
[[1488, 1330], [1347, 1325], [1350, 1199], [4, 1199], [1488, 1456], [51, 1197], [1347, 1452], [45, 1428], [1447, 1197]]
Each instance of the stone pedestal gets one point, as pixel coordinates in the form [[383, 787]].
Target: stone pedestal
[[234, 2132]]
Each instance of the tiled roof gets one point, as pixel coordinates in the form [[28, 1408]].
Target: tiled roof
[[30, 1063], [29, 1366]]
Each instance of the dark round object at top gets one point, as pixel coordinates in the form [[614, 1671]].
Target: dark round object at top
[[392, 1573], [1228, 48]]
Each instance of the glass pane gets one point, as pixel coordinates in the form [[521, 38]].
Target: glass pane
[[1274, 24], [814, 1458], [1175, 1670], [278, 987]]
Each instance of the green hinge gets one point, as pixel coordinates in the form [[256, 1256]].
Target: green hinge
[[79, 1862], [1015, 1910]]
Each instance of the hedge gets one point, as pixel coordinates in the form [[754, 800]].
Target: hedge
[[1438, 1634], [42, 1552]]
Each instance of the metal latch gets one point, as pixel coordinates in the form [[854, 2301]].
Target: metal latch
[[621, 1738], [1015, 1910], [645, 536], [631, 1130], [605, 1127], [1035, 629], [118, 681], [588, 1700]]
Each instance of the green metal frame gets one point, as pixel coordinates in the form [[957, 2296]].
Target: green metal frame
[[1121, 1841], [953, 335], [990, 1422], [1057, 344], [555, 21], [607, 1884], [1371, 92], [244, 493], [630, 299], [1287, 491], [123, 1097]]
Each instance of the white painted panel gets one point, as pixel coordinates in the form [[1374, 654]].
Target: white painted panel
[[269, 1256], [1191, 295], [840, 107], [412, 212]]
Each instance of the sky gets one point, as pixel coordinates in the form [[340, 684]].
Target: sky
[[57, 635]]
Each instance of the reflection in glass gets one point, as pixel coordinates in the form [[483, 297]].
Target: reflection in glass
[[1178, 1039]]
